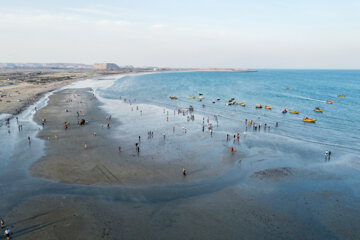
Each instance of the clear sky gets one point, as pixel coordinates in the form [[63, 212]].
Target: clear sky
[[183, 33]]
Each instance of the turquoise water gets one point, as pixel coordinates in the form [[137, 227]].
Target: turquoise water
[[335, 127]]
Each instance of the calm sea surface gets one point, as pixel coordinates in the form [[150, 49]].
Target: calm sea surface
[[307, 89]]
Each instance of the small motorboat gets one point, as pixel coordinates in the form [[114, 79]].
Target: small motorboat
[[341, 95], [267, 107], [213, 101], [201, 97], [173, 97], [238, 103], [192, 97], [230, 100], [318, 110], [200, 94], [218, 99], [329, 101], [242, 104], [284, 110], [258, 106], [306, 119], [294, 112]]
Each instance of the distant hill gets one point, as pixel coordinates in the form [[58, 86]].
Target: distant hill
[[44, 66]]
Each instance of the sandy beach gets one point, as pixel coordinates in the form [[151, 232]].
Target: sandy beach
[[101, 163]]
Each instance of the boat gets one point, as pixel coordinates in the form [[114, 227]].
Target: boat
[[230, 100], [306, 119], [318, 110], [218, 99], [267, 107], [284, 110], [242, 104], [238, 103], [201, 97], [200, 94], [258, 106], [341, 95], [192, 97], [287, 88], [173, 97], [329, 101], [294, 112], [213, 101]]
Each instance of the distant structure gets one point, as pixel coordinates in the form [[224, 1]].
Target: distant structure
[[106, 66]]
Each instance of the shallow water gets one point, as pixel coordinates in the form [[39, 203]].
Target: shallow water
[[308, 89]]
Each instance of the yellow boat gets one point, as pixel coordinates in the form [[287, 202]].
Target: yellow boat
[[268, 107], [242, 104], [294, 112], [201, 97], [192, 97], [309, 120], [238, 103], [318, 110], [342, 95]]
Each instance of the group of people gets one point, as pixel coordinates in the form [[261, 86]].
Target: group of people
[[327, 155], [7, 231], [256, 127]]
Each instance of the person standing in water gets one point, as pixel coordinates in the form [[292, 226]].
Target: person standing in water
[[326, 155], [184, 171], [329, 155], [29, 139]]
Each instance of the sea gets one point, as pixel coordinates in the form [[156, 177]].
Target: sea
[[297, 90]]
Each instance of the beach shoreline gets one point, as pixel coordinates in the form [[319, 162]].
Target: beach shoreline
[[101, 163]]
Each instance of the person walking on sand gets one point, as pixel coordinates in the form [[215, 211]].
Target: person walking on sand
[[184, 171], [7, 233], [85, 146]]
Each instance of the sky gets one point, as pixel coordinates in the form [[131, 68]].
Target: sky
[[172, 33]]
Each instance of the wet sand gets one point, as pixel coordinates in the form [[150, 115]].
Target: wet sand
[[159, 161]]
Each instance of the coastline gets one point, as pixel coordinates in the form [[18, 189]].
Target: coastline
[[70, 197]]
